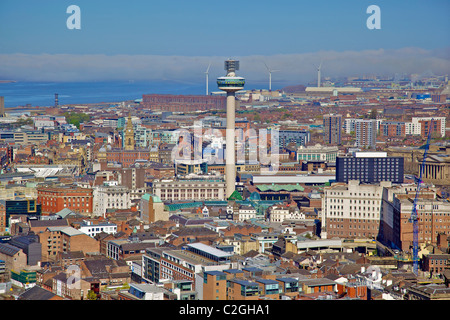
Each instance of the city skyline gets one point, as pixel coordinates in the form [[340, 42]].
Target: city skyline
[[177, 41]]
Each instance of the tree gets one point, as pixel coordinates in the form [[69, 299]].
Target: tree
[[373, 114], [91, 295], [76, 118]]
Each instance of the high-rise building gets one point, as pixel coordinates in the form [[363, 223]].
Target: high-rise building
[[299, 137], [366, 133], [421, 126], [369, 167], [332, 128], [434, 124]]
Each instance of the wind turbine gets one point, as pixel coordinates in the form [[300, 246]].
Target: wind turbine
[[318, 74], [207, 73], [270, 76]]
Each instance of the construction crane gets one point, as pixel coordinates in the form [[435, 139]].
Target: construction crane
[[414, 217]]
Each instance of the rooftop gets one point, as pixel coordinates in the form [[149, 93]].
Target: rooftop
[[208, 249]]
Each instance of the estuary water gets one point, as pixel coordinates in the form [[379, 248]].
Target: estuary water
[[43, 93]]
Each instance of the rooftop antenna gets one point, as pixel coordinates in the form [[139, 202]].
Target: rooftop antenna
[[270, 76], [207, 73]]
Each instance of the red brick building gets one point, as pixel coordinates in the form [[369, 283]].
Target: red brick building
[[182, 103], [54, 199], [57, 240], [242, 229], [2, 218], [127, 157], [436, 263]]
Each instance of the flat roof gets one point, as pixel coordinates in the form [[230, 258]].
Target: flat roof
[[370, 154], [70, 231], [266, 281], [269, 179], [233, 271], [216, 273], [287, 279], [211, 250]]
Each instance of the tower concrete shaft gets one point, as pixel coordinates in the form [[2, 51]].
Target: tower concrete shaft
[[230, 164], [230, 84]]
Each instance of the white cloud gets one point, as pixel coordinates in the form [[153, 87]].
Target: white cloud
[[294, 68]]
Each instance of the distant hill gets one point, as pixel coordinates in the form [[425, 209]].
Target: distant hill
[[294, 89]]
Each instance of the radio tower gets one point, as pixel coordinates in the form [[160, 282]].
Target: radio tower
[[230, 84]]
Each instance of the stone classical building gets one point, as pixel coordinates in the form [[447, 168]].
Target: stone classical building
[[109, 196], [189, 189], [436, 170]]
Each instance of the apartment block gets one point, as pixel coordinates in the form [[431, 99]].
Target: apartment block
[[332, 128], [214, 285], [366, 133], [172, 264], [241, 289], [422, 125], [392, 129], [56, 240], [298, 137]]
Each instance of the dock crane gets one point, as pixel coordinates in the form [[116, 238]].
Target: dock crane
[[414, 217]]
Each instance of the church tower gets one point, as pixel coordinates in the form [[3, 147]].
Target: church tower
[[129, 135]]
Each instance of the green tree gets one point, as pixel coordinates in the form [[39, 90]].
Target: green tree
[[91, 295], [76, 118]]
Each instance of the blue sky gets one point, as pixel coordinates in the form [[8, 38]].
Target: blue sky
[[199, 31]]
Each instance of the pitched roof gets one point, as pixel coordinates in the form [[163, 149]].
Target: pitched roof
[[36, 293], [48, 223], [72, 255], [65, 212], [8, 249]]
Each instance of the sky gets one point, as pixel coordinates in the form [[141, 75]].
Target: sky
[[177, 39]]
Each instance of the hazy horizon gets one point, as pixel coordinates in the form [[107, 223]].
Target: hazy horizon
[[176, 40]]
